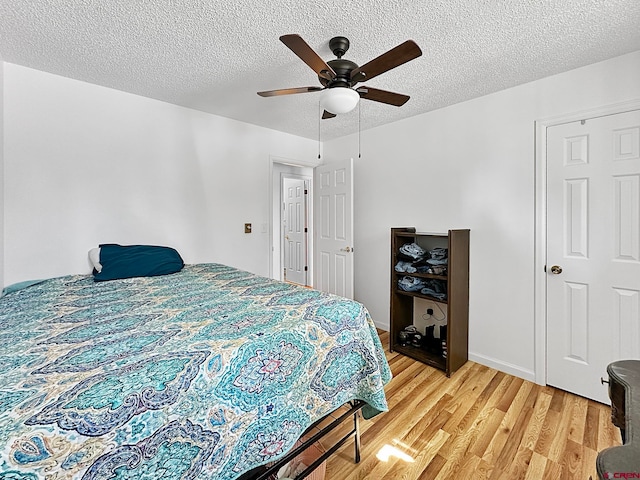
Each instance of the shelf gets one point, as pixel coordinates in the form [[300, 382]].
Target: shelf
[[418, 234], [422, 275], [409, 235], [420, 295], [422, 355]]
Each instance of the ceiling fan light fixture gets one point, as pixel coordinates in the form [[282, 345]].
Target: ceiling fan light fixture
[[339, 99]]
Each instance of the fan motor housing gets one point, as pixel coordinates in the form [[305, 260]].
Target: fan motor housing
[[342, 67], [343, 70]]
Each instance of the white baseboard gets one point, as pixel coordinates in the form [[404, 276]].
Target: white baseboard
[[382, 326], [503, 366]]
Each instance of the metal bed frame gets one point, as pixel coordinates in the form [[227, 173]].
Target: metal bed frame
[[354, 408]]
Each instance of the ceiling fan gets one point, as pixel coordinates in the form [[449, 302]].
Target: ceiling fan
[[339, 76]]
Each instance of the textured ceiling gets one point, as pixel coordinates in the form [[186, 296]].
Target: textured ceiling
[[214, 56]]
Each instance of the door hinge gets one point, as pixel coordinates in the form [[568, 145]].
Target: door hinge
[[305, 229], [306, 192], [306, 268]]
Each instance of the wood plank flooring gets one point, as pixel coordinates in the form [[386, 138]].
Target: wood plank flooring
[[478, 424]]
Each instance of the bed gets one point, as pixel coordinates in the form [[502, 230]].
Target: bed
[[206, 373]]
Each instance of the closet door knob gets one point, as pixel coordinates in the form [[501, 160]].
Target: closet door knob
[[556, 269]]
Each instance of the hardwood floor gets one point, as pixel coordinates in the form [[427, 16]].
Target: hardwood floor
[[478, 424]]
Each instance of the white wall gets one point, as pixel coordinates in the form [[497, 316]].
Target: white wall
[[471, 165], [86, 165]]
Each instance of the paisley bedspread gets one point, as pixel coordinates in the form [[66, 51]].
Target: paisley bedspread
[[202, 374]]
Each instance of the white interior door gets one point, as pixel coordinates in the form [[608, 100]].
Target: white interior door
[[333, 200], [294, 227], [593, 250]]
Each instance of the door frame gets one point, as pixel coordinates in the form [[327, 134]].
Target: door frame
[[296, 163], [540, 241]]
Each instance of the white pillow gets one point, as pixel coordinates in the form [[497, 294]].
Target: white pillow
[[94, 258]]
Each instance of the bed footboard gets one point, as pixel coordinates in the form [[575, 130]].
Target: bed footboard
[[266, 473]]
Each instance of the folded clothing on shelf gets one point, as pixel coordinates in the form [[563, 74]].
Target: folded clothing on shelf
[[435, 261], [407, 267], [438, 253], [411, 284], [438, 256], [434, 288], [412, 258], [413, 251], [433, 269]]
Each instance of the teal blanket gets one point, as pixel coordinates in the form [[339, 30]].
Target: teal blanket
[[19, 286], [206, 373]]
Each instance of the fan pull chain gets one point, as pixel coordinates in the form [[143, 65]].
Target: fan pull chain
[[359, 122], [319, 120]]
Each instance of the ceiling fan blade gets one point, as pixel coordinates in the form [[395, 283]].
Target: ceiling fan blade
[[382, 96], [302, 49], [289, 91], [326, 115], [393, 58]]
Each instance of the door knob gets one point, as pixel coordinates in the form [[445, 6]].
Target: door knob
[[346, 249], [556, 269]]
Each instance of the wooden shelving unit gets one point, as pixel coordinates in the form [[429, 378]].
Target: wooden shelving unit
[[456, 304]]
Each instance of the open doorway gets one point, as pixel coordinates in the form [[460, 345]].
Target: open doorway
[[292, 222]]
